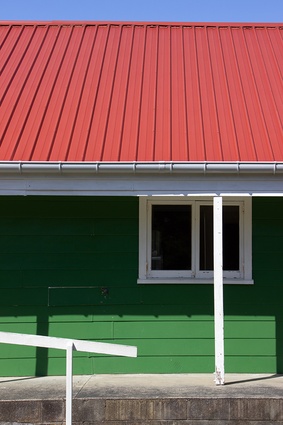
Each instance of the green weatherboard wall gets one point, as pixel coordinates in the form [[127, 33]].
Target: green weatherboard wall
[[68, 268]]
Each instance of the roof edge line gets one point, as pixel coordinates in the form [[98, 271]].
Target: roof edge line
[[33, 167], [142, 22]]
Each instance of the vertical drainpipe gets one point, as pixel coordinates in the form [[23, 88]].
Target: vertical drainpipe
[[218, 291]]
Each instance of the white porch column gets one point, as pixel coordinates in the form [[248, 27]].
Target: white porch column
[[218, 291], [69, 383]]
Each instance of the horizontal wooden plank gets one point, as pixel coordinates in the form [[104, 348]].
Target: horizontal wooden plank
[[29, 328], [268, 277], [250, 347], [89, 331], [11, 279], [81, 277], [68, 226], [98, 313], [269, 261], [6, 318], [178, 364], [129, 312], [202, 347], [44, 314], [79, 244], [92, 296], [135, 294], [201, 329], [10, 351], [267, 243], [132, 313], [190, 295], [267, 227], [24, 297], [171, 329], [74, 206], [250, 329], [248, 294], [74, 330], [197, 364], [172, 346], [20, 226], [17, 366], [264, 310], [72, 261], [81, 366], [55, 366], [246, 318], [159, 347], [250, 364], [264, 208]]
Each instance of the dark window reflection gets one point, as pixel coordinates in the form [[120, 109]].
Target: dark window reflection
[[171, 237], [231, 237], [206, 237]]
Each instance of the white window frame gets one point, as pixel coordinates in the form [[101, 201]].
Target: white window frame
[[146, 275]]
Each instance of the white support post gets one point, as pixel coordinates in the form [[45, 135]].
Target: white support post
[[69, 383], [218, 291]]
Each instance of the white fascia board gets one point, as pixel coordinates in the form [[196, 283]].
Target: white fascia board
[[184, 186]]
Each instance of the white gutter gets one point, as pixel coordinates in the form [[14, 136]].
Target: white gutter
[[22, 167]]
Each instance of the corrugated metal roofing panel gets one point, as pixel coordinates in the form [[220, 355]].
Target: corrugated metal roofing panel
[[74, 91]]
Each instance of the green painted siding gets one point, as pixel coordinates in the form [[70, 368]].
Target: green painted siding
[[68, 268]]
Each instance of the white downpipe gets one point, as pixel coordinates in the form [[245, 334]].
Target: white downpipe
[[218, 291]]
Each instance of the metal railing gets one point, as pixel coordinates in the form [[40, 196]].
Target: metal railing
[[69, 345]]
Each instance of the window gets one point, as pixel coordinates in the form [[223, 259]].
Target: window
[[176, 240]]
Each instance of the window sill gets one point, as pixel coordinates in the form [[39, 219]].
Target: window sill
[[187, 281]]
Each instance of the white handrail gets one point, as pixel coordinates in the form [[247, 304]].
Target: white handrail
[[69, 345]]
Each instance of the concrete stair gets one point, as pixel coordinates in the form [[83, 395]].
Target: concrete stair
[[144, 400]]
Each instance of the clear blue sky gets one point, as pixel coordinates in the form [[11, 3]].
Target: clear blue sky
[[145, 10]]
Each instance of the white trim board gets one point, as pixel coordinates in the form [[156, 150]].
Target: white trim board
[[141, 185]]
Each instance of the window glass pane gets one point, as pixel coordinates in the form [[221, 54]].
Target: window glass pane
[[231, 241], [231, 238], [171, 237], [206, 238]]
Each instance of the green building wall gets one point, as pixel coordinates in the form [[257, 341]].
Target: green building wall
[[68, 268]]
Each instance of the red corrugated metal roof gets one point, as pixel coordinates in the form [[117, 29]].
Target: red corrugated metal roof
[[73, 91]]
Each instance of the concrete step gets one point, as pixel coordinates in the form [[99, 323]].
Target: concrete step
[[171, 411], [144, 400]]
